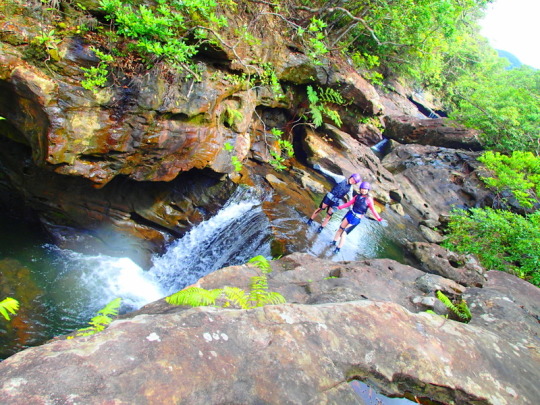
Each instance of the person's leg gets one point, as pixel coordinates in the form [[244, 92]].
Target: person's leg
[[329, 213], [348, 229], [339, 232], [312, 217], [322, 207], [343, 236]]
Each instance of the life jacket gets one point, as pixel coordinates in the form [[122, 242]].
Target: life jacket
[[360, 205], [340, 190]]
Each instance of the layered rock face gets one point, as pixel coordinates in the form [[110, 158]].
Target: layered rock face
[[344, 321], [89, 156]]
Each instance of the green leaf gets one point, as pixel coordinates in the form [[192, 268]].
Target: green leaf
[[195, 296], [262, 263], [8, 305]]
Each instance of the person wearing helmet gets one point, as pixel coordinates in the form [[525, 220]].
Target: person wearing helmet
[[333, 198], [360, 204]]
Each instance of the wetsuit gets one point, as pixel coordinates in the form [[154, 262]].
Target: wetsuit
[[360, 204], [339, 191]]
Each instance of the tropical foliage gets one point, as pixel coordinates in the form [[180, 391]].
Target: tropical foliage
[[504, 105], [257, 296], [103, 318], [8, 306], [503, 240], [518, 174]]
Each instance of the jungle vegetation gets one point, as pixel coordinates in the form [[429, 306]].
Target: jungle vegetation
[[430, 45]]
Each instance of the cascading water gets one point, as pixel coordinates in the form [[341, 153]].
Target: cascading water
[[61, 290], [239, 231]]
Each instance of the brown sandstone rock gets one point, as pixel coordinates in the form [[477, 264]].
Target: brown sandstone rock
[[463, 269], [294, 353], [434, 180], [435, 132]]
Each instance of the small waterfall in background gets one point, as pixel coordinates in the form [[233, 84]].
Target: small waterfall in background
[[239, 231], [381, 148]]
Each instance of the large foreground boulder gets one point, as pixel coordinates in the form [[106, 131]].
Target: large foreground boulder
[[294, 353]]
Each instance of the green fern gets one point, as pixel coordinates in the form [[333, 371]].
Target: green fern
[[319, 101], [232, 116], [195, 297], [278, 160], [103, 318], [236, 296], [329, 95], [461, 309], [258, 295], [262, 263], [9, 305]]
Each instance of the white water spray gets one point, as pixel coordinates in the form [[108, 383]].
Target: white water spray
[[93, 281], [86, 283], [236, 233]]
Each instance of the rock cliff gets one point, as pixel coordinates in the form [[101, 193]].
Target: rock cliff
[[137, 157]]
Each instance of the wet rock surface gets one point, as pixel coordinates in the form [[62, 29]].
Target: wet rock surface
[[297, 352], [436, 132]]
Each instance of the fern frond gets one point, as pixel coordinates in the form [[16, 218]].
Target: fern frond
[[446, 301], [258, 284], [9, 305], [86, 331], [312, 95], [331, 96], [262, 263], [237, 296], [461, 310], [103, 318], [195, 297], [111, 309], [334, 116], [100, 320], [270, 298], [316, 114]]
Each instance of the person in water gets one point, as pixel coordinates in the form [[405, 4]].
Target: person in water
[[360, 204], [334, 196]]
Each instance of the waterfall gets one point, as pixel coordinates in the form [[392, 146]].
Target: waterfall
[[381, 147], [239, 231], [67, 288], [236, 233]]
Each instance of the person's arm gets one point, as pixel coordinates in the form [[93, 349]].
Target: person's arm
[[336, 177], [351, 202], [372, 208], [349, 195]]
